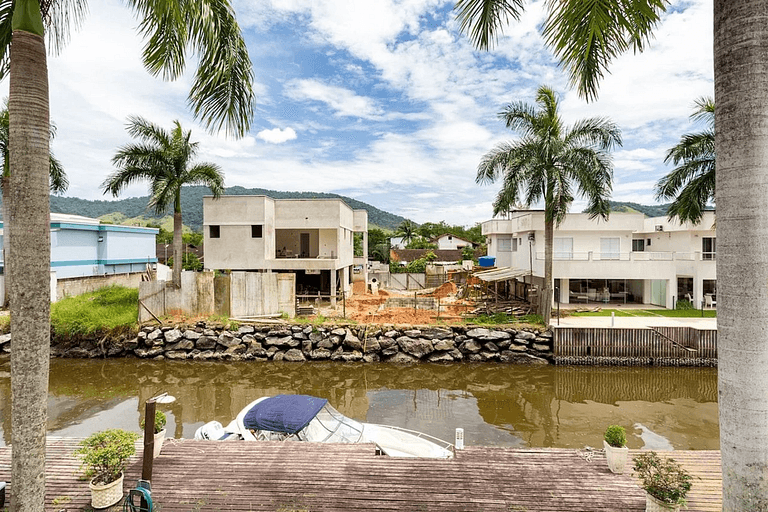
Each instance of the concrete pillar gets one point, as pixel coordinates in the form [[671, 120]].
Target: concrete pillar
[[365, 258], [345, 273], [564, 291], [333, 287], [646, 291]]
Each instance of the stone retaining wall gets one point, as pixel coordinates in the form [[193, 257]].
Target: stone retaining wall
[[309, 343]]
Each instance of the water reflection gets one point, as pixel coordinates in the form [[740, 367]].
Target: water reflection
[[495, 404]]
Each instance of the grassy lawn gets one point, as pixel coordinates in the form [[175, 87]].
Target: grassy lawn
[[669, 313], [111, 308]]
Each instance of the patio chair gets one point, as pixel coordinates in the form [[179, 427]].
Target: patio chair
[[709, 301]]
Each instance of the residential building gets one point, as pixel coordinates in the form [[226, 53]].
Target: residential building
[[81, 246], [447, 242], [313, 238], [630, 258], [396, 242]]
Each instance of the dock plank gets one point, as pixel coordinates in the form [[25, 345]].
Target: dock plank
[[297, 477]]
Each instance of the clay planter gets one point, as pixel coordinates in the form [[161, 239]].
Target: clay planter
[[159, 438], [654, 505], [106, 495], [616, 457]]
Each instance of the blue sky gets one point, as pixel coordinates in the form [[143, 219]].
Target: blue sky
[[380, 100]]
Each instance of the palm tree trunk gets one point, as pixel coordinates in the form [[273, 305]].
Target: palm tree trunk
[[6, 190], [546, 291], [177, 241], [30, 252], [741, 142]]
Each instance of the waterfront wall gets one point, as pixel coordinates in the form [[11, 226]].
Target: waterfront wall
[[310, 343]]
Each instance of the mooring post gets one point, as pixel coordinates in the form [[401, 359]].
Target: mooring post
[[149, 439]]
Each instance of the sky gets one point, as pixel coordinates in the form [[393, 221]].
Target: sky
[[384, 101]]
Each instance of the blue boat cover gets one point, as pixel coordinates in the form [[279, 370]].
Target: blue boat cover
[[283, 413]]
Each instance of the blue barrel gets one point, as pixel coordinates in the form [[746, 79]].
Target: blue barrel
[[487, 261]]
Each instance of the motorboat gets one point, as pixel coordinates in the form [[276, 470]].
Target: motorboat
[[312, 419]]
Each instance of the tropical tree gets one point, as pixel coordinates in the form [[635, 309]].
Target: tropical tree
[[586, 37], [691, 184], [221, 96], [407, 231], [165, 160], [545, 164]]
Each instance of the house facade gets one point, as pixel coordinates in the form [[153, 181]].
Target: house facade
[[447, 242], [313, 238], [629, 258], [82, 247]]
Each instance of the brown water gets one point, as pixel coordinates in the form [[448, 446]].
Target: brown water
[[502, 405]]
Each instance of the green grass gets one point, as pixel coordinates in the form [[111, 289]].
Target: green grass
[[668, 313], [108, 309]]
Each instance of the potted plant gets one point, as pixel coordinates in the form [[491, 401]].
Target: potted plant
[[105, 455], [159, 430], [665, 482], [615, 444]]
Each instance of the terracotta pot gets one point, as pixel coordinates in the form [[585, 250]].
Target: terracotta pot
[[654, 505], [159, 438], [616, 457], [106, 495]]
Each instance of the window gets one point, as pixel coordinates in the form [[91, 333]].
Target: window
[[609, 248], [708, 248], [638, 245], [514, 245], [563, 249], [214, 231], [256, 231], [505, 245]]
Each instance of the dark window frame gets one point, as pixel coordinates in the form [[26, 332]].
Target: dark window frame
[[257, 231], [214, 231]]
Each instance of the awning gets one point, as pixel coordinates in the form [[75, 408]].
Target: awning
[[501, 274], [283, 413]]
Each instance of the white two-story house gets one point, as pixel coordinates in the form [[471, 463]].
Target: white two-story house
[[629, 258], [313, 238]]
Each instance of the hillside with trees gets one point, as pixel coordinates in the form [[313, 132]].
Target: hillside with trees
[[192, 205]]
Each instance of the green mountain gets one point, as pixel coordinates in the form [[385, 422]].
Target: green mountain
[[656, 210], [192, 205]]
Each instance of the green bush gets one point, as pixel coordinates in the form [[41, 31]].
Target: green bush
[[160, 421], [615, 436], [189, 261], [664, 479], [683, 304], [106, 453]]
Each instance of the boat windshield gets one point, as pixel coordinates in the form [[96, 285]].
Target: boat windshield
[[330, 426]]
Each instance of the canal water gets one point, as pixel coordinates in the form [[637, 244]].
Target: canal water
[[499, 405]]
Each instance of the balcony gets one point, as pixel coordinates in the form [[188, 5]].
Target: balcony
[[629, 256]]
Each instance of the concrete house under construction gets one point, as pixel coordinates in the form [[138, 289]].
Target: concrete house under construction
[[313, 238]]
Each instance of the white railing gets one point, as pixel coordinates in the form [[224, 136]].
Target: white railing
[[629, 256]]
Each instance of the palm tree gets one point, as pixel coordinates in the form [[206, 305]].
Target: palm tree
[[691, 184], [221, 96], [545, 164], [165, 160], [406, 231], [586, 40]]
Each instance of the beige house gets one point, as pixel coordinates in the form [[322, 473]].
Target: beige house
[[630, 258], [313, 238]]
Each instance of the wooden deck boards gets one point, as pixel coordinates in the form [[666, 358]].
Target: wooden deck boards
[[296, 477]]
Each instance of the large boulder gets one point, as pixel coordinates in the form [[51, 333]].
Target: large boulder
[[294, 355], [401, 358], [352, 341], [416, 347]]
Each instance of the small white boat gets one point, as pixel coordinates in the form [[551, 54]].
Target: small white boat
[[312, 419]]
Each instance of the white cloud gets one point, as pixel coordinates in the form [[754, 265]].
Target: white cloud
[[277, 135]]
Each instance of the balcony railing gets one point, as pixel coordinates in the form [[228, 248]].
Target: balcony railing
[[629, 256]]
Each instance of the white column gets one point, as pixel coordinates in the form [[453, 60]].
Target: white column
[[333, 287], [565, 287]]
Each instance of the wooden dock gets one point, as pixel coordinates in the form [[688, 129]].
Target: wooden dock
[[301, 477]]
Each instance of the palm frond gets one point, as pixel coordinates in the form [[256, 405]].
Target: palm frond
[[692, 199], [6, 30], [59, 183], [704, 111], [520, 117], [140, 128], [586, 35], [206, 174], [600, 132], [61, 18], [483, 20]]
